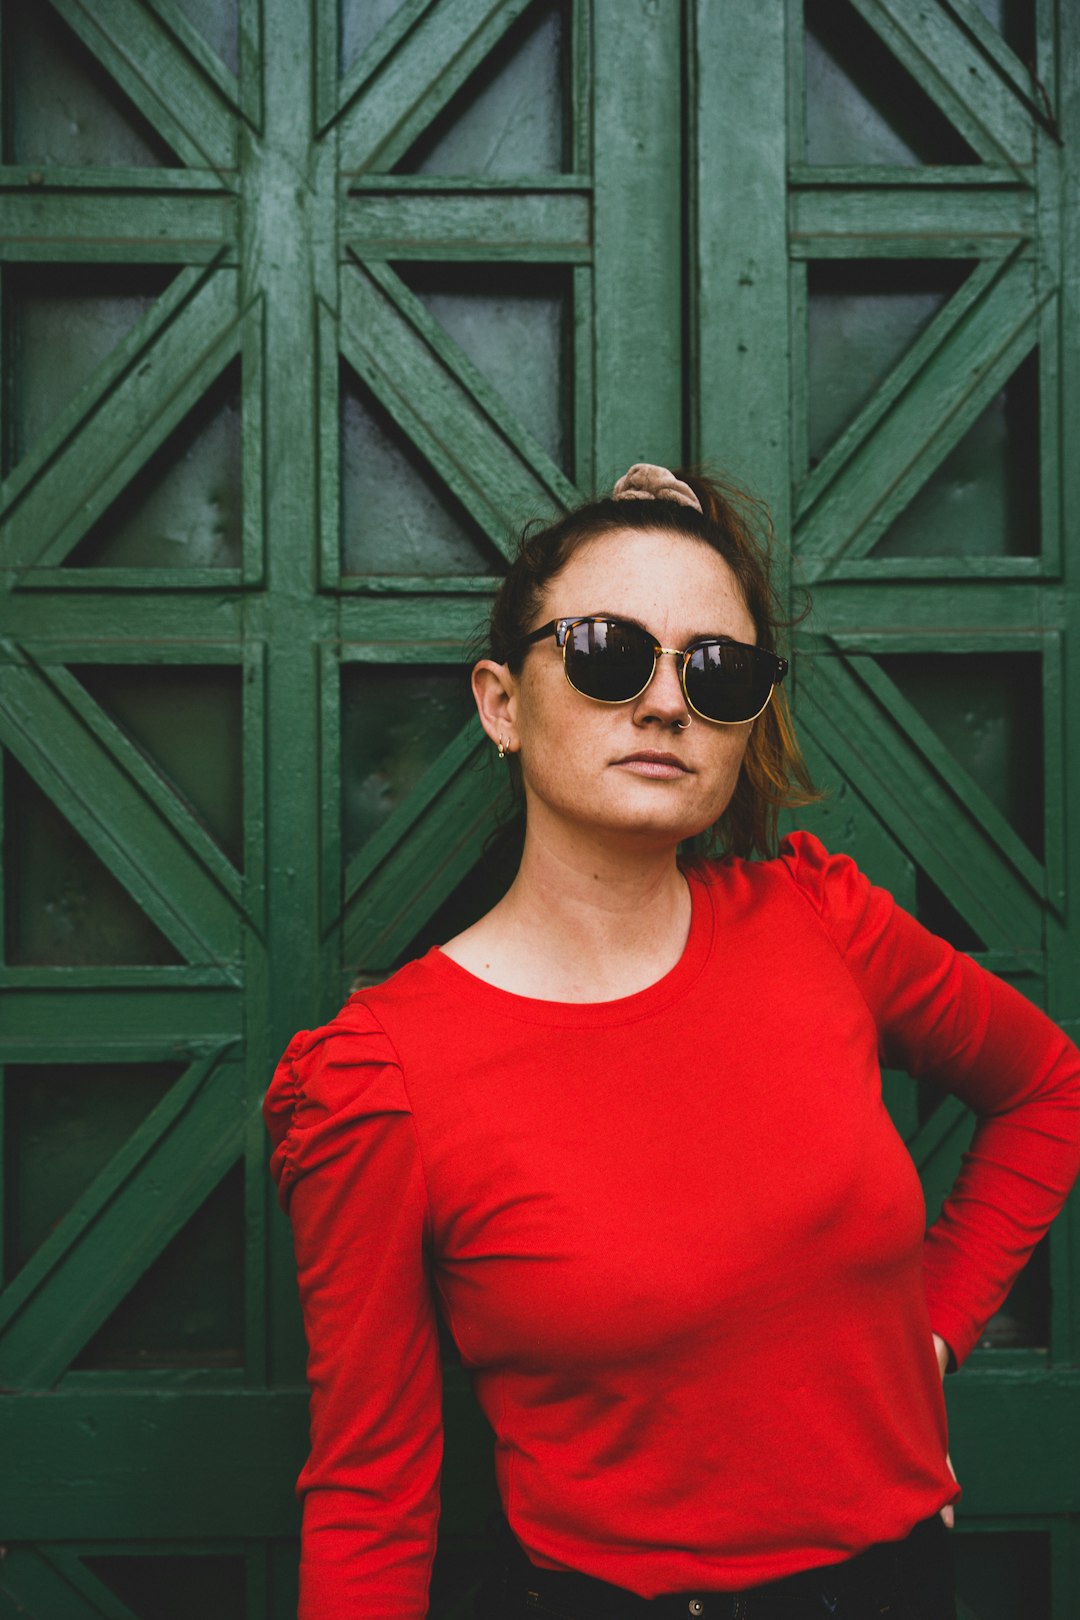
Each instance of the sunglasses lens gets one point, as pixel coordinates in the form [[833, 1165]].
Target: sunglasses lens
[[729, 682], [608, 660]]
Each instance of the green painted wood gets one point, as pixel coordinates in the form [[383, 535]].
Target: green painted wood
[[194, 44], [419, 855], [94, 1257], [881, 750], [96, 615], [251, 29], [1065, 1566], [945, 343], [976, 24], [448, 410], [939, 758], [127, 354], [40, 225], [142, 1014], [327, 52], [165, 84], [684, 154], [417, 77], [134, 826], [1058, 40], [289, 256], [16, 177], [169, 1462], [47, 518], [740, 278], [501, 223], [337, 97], [843, 218], [638, 406], [166, 1464], [968, 182], [927, 421], [964, 80], [942, 332], [38, 1583], [61, 579], [145, 782]]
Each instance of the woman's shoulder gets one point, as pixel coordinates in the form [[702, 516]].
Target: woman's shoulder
[[327, 1079], [826, 879], [805, 878]]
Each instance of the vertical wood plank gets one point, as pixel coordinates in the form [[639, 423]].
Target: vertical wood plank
[[740, 359], [1065, 1568], [251, 53], [579, 57], [289, 230], [583, 404], [637, 161], [1058, 67], [259, 1215], [252, 394]]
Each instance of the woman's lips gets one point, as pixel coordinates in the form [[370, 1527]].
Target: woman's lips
[[665, 767]]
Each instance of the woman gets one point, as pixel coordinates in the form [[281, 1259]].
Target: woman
[[627, 1131]]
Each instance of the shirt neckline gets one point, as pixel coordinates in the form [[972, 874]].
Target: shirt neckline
[[593, 1014]]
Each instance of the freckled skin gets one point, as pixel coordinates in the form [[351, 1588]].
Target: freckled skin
[[573, 750]]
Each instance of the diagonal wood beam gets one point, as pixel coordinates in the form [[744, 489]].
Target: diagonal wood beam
[[416, 859], [895, 763], [336, 95], [130, 1212], [50, 1581], [185, 106], [451, 413], [391, 108], [958, 75], [919, 414], [209, 63], [117, 421], [106, 791]]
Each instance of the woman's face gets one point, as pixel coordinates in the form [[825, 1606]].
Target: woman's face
[[625, 768]]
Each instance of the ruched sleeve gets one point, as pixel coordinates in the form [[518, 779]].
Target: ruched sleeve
[[348, 1172], [941, 1016]]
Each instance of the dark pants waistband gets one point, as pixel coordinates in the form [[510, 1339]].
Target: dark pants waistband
[[903, 1580]]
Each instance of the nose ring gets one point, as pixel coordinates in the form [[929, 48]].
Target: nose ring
[[683, 725]]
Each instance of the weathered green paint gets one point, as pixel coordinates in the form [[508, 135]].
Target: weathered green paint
[[682, 227]]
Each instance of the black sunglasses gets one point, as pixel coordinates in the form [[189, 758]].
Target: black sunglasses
[[613, 661]]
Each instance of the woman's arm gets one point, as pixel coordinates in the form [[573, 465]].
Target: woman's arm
[[941, 1016], [350, 1177]]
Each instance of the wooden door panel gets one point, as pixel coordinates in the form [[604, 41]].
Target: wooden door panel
[[503, 250]]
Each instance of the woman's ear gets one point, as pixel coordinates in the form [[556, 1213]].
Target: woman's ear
[[495, 692]]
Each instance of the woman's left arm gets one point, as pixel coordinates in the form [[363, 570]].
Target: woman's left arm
[[942, 1016]]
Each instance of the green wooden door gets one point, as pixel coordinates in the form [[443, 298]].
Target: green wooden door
[[303, 308], [886, 242]]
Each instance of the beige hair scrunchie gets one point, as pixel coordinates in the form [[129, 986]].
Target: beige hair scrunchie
[[644, 482]]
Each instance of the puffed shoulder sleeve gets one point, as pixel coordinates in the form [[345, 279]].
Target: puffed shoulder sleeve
[[348, 1170], [941, 1016]]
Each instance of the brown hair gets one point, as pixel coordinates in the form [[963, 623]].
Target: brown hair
[[774, 775]]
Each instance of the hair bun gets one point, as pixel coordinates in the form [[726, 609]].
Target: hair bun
[[645, 482]]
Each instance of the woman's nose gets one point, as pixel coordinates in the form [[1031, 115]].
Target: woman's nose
[[663, 698]]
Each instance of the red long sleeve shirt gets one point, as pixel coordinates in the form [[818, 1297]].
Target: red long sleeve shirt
[[676, 1237]]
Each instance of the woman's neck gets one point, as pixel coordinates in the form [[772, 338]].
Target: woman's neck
[[589, 922]]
